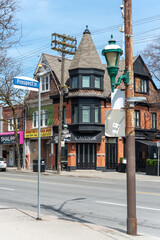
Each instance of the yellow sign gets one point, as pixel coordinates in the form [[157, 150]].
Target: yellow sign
[[45, 132]]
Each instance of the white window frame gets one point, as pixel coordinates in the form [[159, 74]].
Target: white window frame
[[44, 78], [10, 127], [44, 119]]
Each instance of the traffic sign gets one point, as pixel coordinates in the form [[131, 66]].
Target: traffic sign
[[26, 83]]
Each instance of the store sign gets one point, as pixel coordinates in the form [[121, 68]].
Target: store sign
[[45, 132], [7, 139], [88, 138]]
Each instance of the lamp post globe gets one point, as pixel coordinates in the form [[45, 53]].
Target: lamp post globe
[[112, 53]]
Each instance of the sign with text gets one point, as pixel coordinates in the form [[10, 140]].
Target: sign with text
[[7, 139], [115, 123], [45, 132], [26, 83]]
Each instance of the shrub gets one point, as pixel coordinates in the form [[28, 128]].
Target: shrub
[[152, 162]]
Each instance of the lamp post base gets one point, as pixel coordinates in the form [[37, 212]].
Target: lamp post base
[[132, 226]]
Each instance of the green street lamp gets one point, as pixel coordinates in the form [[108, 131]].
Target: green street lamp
[[112, 53]]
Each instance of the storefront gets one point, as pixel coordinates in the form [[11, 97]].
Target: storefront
[[31, 146], [7, 140]]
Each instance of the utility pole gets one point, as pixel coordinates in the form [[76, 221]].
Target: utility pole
[[122, 27], [130, 125], [65, 45]]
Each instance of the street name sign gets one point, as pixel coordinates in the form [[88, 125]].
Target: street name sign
[[26, 83]]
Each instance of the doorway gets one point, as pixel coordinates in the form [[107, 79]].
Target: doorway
[[111, 153], [86, 156]]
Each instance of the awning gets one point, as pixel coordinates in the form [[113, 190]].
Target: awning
[[148, 143]]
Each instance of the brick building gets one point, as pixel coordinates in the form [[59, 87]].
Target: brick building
[[7, 139], [97, 131]]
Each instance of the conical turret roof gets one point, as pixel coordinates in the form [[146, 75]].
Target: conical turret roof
[[86, 55]]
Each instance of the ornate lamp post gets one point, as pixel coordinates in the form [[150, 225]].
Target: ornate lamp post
[[112, 53]]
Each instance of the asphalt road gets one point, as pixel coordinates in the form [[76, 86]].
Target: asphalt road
[[98, 201]]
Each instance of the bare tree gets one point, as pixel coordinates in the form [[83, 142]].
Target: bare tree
[[152, 56], [10, 96], [8, 23]]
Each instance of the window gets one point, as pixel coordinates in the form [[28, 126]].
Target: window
[[97, 82], [144, 86], [43, 119], [153, 120], [10, 126], [35, 119], [96, 114], [45, 82], [85, 81], [75, 82], [137, 118], [75, 114], [86, 113]]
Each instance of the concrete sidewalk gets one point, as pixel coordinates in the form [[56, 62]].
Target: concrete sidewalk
[[90, 174], [16, 224]]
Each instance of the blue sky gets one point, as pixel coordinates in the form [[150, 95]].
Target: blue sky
[[40, 18]]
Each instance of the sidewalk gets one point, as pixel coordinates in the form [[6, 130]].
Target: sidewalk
[[16, 224], [91, 174]]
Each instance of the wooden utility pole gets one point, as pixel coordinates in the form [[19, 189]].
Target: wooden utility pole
[[130, 125], [65, 45]]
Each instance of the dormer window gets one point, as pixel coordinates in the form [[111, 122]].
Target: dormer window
[[45, 83], [85, 81], [75, 82], [144, 86], [97, 82]]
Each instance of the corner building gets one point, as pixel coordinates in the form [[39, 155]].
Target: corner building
[[84, 110]]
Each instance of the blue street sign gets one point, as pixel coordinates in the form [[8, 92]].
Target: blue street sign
[[26, 83]]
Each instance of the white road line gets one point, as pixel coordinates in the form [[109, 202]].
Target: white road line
[[8, 189], [124, 205]]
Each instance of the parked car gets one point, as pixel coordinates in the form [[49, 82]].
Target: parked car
[[3, 164]]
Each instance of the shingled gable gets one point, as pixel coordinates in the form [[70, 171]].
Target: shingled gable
[[51, 64], [86, 55], [142, 69]]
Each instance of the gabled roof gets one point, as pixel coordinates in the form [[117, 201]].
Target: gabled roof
[[54, 64], [86, 55]]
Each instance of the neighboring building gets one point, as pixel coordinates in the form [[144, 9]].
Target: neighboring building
[[48, 79], [7, 138], [97, 131]]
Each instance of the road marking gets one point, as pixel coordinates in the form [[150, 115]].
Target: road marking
[[125, 205], [19, 179], [148, 193], [9, 189]]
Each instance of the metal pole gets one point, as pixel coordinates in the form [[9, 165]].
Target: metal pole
[[130, 125], [158, 163], [39, 149]]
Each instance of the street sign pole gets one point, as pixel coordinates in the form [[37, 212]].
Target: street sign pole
[[158, 146], [39, 149], [33, 85], [158, 163]]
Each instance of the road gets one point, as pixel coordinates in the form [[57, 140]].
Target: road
[[98, 201]]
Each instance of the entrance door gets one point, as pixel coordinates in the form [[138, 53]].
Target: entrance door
[[86, 156], [111, 153]]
